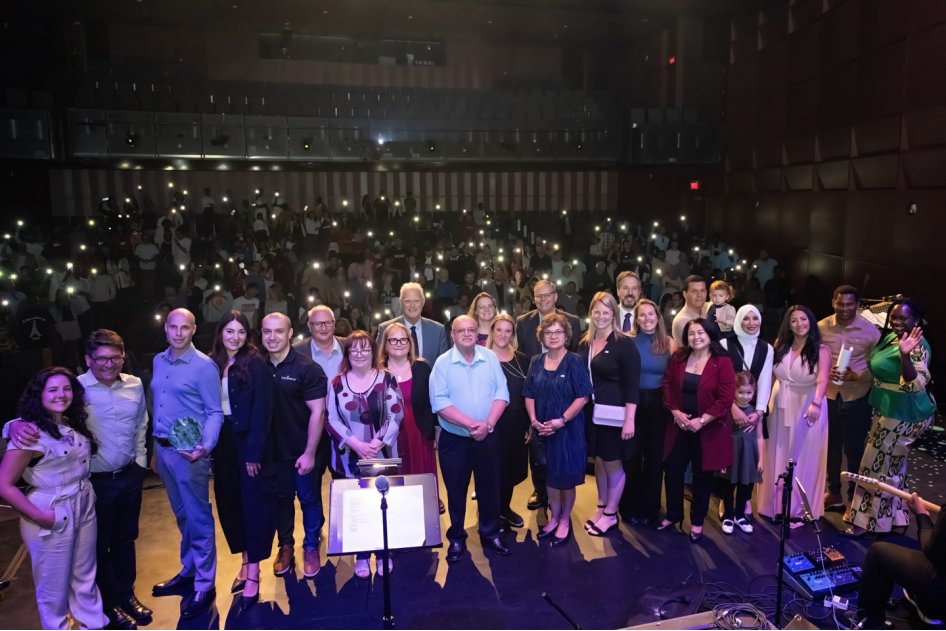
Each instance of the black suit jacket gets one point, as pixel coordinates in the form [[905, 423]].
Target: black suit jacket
[[251, 407], [528, 323]]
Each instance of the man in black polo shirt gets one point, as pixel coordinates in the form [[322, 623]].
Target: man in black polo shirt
[[298, 404]]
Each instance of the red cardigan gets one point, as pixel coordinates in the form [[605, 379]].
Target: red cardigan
[[715, 396]]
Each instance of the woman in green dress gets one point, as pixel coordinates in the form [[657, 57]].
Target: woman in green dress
[[903, 410]]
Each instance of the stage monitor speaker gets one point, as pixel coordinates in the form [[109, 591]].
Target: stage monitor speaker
[[659, 605], [799, 622]]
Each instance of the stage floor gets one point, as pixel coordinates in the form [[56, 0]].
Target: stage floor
[[605, 582]]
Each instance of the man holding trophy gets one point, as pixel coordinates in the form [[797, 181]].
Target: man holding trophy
[[187, 419]]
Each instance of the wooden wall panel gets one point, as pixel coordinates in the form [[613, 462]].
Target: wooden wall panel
[[877, 136], [925, 168], [882, 22], [800, 150], [827, 218], [876, 172], [834, 175], [840, 34], [793, 219], [836, 97], [862, 128], [804, 12], [798, 178], [803, 107], [927, 51], [880, 80], [834, 143], [805, 53]]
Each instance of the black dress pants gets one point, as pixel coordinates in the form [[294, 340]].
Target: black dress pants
[[246, 505], [687, 450], [117, 509], [538, 467], [460, 458], [888, 564], [644, 469]]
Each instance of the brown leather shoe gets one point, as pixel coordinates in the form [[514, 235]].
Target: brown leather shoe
[[311, 563], [284, 560]]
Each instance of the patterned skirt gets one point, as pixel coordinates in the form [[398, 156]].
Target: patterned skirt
[[885, 458]]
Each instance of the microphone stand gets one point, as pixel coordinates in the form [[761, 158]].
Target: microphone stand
[[388, 617], [784, 533]]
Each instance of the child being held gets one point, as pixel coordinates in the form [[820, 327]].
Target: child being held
[[746, 469], [719, 310]]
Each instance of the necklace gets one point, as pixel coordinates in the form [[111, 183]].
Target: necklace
[[513, 367], [366, 390], [401, 373]]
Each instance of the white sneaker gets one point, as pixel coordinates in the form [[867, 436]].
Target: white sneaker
[[362, 569], [744, 525], [727, 526], [379, 565]]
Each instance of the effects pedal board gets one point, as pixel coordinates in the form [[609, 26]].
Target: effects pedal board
[[806, 575], [798, 564], [840, 579], [826, 556]]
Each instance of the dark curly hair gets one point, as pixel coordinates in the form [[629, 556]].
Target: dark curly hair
[[31, 405], [243, 357], [783, 343]]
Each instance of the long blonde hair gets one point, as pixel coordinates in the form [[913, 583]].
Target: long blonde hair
[[513, 341], [607, 300]]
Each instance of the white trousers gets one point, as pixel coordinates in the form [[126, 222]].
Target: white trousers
[[63, 561]]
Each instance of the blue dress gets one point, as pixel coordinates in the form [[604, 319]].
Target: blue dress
[[553, 392]]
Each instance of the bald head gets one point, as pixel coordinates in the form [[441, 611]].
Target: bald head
[[463, 332], [183, 313], [179, 328], [276, 330]]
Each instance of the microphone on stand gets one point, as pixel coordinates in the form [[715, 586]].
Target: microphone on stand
[[382, 484]]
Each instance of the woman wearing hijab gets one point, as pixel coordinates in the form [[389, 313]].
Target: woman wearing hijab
[[749, 352]]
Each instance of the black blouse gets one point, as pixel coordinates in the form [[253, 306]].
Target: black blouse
[[615, 371]]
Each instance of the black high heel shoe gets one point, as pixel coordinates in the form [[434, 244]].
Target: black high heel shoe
[[557, 541], [544, 534], [668, 525], [594, 531], [238, 583], [589, 523], [249, 601], [695, 536]]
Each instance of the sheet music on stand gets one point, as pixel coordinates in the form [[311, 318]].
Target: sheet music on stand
[[355, 511]]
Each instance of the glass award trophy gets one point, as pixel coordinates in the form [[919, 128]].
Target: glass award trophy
[[185, 434]]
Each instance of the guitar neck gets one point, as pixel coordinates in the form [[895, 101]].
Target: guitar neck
[[877, 485]]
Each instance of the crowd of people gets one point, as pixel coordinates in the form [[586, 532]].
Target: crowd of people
[[462, 344]]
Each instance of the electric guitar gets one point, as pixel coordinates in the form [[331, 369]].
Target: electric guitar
[[876, 485]]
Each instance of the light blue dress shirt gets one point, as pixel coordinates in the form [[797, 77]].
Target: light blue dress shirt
[[118, 418], [188, 385], [471, 388]]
